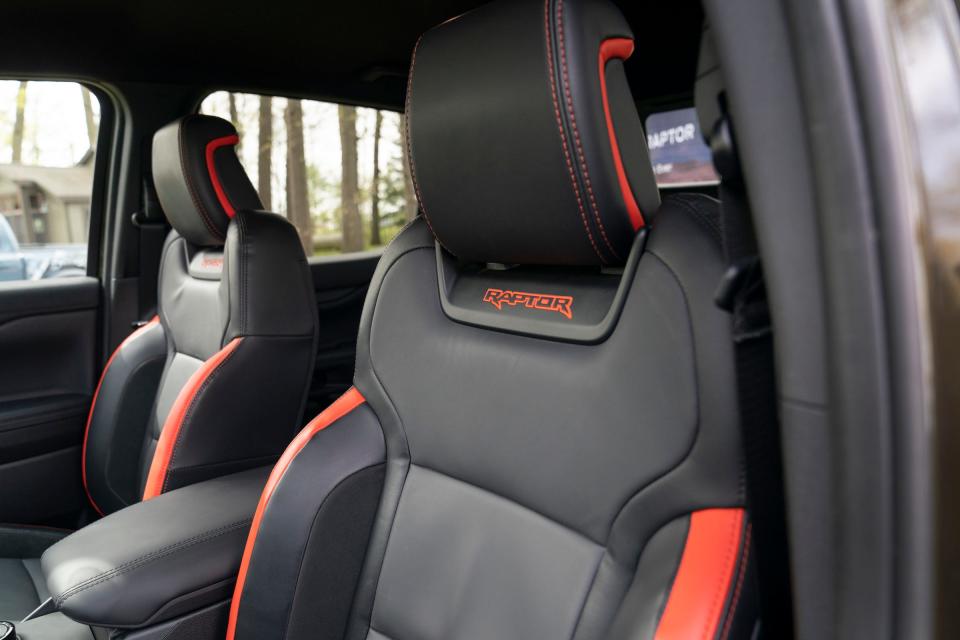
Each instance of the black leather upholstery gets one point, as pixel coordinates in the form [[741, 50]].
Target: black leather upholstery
[[158, 559], [217, 383], [22, 587], [517, 165], [276, 296], [199, 179], [54, 626], [344, 463], [118, 417], [251, 405], [536, 483], [224, 372]]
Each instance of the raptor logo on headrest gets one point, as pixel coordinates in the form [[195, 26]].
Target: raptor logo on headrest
[[543, 301], [211, 262]]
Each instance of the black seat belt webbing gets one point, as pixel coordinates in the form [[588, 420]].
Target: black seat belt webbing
[[743, 295]]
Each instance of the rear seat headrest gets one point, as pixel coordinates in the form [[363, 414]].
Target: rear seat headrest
[[525, 143], [198, 177]]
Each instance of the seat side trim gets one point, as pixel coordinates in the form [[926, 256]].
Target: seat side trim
[[697, 599], [93, 404], [343, 405]]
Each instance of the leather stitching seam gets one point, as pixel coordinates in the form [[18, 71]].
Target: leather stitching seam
[[563, 137], [720, 590], [737, 591], [561, 42], [409, 136], [150, 557]]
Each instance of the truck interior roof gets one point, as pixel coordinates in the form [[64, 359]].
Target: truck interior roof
[[331, 50]]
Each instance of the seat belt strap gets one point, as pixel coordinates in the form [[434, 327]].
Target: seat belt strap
[[743, 295]]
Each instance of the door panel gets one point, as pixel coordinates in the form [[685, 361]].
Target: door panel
[[48, 344], [341, 286]]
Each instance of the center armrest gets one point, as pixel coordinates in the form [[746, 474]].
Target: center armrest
[[156, 559]]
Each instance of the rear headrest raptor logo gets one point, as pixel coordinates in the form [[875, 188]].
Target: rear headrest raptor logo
[[543, 301], [208, 262]]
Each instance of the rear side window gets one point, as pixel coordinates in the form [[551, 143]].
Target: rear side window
[[338, 173], [680, 156], [48, 135]]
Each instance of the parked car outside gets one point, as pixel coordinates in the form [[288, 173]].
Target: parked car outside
[[38, 262], [13, 265]]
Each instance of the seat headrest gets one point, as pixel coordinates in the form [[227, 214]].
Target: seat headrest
[[198, 177], [524, 140]]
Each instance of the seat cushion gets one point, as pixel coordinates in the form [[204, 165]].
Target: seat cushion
[[22, 587], [54, 625]]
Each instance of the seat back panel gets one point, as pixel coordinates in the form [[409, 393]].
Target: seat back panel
[[571, 431], [189, 306], [180, 367], [229, 274], [609, 442], [538, 479], [465, 563]]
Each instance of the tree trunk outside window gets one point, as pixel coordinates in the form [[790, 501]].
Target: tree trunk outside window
[[298, 206], [351, 223]]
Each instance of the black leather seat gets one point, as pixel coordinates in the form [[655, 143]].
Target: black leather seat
[[542, 441], [218, 381]]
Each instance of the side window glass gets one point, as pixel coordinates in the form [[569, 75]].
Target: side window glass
[[680, 156], [48, 134], [338, 173]]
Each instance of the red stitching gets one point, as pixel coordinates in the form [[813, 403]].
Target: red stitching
[[576, 132], [409, 113], [736, 593], [563, 138]]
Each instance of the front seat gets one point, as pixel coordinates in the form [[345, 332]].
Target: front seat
[[542, 440], [217, 382]]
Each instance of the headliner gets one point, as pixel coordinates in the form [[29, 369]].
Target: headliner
[[350, 50]]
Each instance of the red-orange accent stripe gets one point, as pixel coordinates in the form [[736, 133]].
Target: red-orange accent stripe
[[212, 146], [171, 426], [93, 403], [621, 48], [340, 407], [704, 577]]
